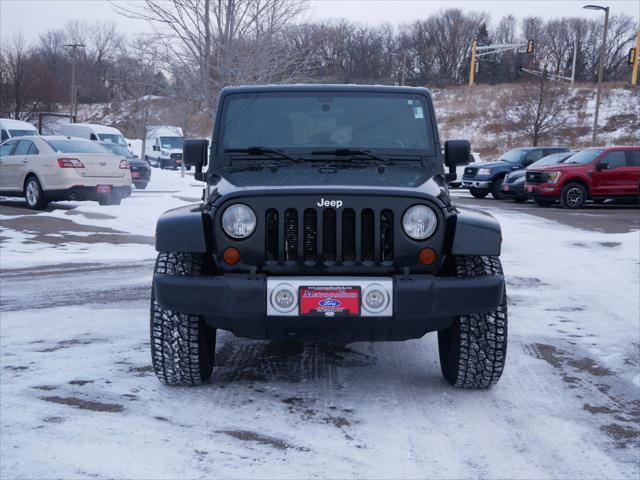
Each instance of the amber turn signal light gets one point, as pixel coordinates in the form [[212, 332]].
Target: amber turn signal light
[[427, 256], [231, 256]]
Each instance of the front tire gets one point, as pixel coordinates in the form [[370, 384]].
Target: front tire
[[34, 195], [477, 193], [473, 350], [496, 189], [573, 196], [182, 345]]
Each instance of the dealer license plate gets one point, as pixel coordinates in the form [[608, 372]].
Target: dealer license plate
[[103, 188], [329, 301], [529, 188]]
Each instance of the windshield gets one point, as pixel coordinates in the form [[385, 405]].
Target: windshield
[[171, 142], [118, 150], [76, 146], [308, 121], [552, 159], [513, 156], [22, 133], [585, 156], [112, 138]]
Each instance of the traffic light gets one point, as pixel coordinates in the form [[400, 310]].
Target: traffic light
[[632, 58], [530, 46]]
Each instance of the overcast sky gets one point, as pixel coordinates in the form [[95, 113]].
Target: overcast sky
[[32, 17]]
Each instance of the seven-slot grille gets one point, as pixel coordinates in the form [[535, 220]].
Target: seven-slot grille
[[329, 235], [535, 177], [470, 171]]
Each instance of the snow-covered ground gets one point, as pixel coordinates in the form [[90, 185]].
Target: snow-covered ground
[[137, 215], [78, 398]]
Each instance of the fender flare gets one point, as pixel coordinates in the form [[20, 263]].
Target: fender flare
[[476, 233], [182, 229]]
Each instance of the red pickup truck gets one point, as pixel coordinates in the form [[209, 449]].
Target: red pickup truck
[[594, 173]]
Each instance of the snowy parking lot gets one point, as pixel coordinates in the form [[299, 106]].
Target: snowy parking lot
[[78, 397]]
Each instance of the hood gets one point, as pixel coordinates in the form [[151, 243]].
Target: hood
[[501, 164], [137, 161], [559, 167], [516, 174], [312, 177]]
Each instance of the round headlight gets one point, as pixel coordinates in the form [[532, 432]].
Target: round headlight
[[238, 221], [419, 222]]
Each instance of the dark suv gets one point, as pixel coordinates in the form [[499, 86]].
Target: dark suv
[[488, 177], [327, 218]]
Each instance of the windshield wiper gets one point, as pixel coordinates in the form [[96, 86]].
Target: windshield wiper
[[350, 152], [263, 151]]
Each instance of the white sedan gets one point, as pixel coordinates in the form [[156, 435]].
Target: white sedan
[[49, 168]]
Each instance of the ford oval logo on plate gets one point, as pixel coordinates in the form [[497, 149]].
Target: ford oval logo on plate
[[330, 302]]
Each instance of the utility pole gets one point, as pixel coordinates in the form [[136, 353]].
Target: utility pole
[[472, 73], [575, 56], [74, 91], [600, 67], [634, 71], [403, 68]]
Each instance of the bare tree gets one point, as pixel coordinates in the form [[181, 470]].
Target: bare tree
[[24, 81], [228, 41], [536, 108]]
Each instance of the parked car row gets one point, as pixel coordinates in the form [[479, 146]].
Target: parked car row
[[84, 162], [49, 168], [554, 174]]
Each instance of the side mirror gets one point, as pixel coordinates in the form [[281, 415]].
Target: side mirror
[[457, 153], [155, 148], [194, 154], [602, 166]]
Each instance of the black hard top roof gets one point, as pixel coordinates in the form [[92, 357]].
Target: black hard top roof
[[322, 87]]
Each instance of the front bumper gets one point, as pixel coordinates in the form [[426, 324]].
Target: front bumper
[[513, 190], [546, 191], [482, 184], [170, 162], [238, 303], [140, 174]]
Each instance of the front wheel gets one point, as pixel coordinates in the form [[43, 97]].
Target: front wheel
[[573, 196], [182, 345], [34, 195], [477, 193], [496, 189], [473, 350]]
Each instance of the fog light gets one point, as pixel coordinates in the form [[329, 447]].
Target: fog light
[[427, 256], [231, 256], [375, 298], [284, 298]]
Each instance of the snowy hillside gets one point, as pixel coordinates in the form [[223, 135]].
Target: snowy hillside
[[476, 114]]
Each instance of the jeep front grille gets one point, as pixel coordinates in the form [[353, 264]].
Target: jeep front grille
[[328, 235]]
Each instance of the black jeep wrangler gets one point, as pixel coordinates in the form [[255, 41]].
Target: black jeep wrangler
[[326, 218]]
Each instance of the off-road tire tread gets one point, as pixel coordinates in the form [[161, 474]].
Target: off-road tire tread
[[182, 345], [473, 350]]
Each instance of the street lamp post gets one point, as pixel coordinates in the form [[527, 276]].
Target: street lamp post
[[73, 109], [600, 67]]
